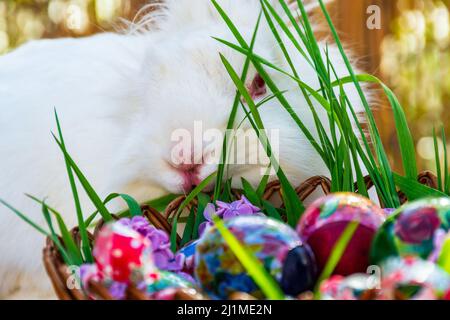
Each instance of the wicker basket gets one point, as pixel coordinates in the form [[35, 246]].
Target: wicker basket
[[62, 279]]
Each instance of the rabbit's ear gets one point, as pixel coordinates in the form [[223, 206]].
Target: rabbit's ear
[[181, 14], [175, 14]]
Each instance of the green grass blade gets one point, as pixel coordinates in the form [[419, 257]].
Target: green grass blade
[[54, 236], [270, 84], [294, 206], [109, 198], [438, 160], [405, 139], [203, 200], [404, 136], [69, 243], [288, 32], [231, 119], [321, 131], [81, 226], [189, 227], [415, 190], [446, 164], [174, 234], [35, 226], [385, 168], [254, 267], [25, 218], [263, 184], [337, 253], [444, 257], [194, 193], [250, 193], [98, 203], [133, 205], [160, 204], [48, 218], [271, 211]]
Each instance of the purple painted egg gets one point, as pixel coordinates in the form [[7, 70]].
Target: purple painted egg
[[324, 221]]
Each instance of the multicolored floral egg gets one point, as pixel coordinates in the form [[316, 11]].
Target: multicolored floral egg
[[324, 221], [220, 273], [90, 272], [358, 286], [164, 280], [414, 229], [188, 252], [411, 278], [119, 251]]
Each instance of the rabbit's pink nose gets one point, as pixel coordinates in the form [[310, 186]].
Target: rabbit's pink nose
[[186, 166], [189, 174]]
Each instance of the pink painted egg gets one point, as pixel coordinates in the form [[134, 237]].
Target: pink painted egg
[[119, 251], [324, 221]]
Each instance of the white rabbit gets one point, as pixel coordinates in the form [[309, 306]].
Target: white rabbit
[[119, 99]]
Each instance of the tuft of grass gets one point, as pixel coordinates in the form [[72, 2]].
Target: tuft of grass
[[294, 207], [231, 119], [341, 149]]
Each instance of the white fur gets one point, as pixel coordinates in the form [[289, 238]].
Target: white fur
[[119, 97]]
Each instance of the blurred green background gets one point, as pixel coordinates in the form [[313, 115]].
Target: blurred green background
[[411, 51]]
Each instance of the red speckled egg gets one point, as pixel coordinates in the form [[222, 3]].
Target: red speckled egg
[[118, 251], [324, 221]]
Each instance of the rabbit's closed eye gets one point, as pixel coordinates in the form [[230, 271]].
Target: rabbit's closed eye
[[257, 87]]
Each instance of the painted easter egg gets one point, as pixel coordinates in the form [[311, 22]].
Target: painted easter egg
[[188, 252], [414, 229], [119, 251], [220, 273], [324, 221], [164, 280], [358, 286], [411, 278], [299, 271]]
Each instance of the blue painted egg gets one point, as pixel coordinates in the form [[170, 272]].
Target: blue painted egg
[[274, 244]]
